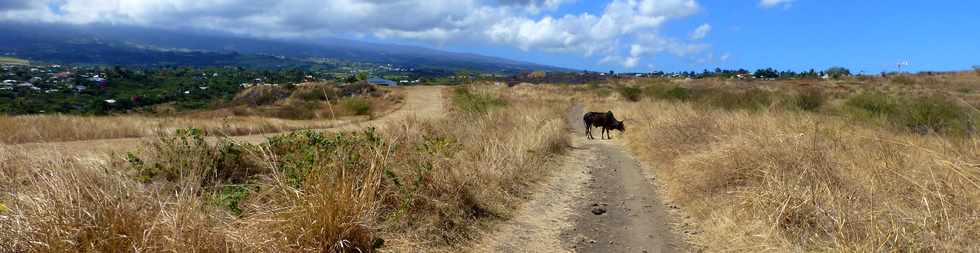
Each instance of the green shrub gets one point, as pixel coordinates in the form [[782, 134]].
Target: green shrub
[[921, 115], [298, 110], [314, 93], [467, 101], [231, 196], [670, 93], [305, 152], [358, 106], [810, 100], [186, 155], [753, 99], [877, 104], [631, 93], [935, 114]]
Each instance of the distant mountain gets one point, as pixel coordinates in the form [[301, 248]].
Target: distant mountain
[[127, 45]]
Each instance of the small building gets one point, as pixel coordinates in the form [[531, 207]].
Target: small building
[[380, 81]]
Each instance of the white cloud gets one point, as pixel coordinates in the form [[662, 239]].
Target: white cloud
[[725, 56], [774, 3], [524, 24], [701, 32], [631, 62]]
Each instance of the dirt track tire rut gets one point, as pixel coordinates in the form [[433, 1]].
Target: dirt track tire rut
[[561, 215]]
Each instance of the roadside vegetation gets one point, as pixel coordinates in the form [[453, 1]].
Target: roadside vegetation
[[765, 168], [417, 185]]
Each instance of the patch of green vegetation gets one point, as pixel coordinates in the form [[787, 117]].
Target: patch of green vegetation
[[187, 154], [921, 114], [809, 100], [631, 93], [231, 197], [468, 101], [936, 114], [305, 152], [358, 106], [670, 92], [752, 99], [874, 103]]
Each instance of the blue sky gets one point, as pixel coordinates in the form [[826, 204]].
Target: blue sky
[[869, 36], [621, 35]]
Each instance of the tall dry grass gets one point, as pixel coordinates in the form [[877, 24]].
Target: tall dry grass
[[59, 128], [417, 185], [789, 181]]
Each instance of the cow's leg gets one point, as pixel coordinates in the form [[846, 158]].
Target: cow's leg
[[588, 132], [603, 133]]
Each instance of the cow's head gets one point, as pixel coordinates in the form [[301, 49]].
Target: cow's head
[[619, 126]]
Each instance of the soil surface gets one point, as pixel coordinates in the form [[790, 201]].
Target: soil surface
[[600, 199]]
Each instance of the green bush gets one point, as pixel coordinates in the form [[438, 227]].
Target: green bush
[[875, 103], [314, 93], [186, 155], [358, 106], [298, 110], [307, 152], [753, 99], [467, 101], [810, 100], [670, 93], [631, 93], [935, 114], [921, 115]]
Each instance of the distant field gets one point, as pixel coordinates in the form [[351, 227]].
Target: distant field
[[13, 61], [257, 110]]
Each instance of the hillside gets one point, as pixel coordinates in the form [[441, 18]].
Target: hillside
[[121, 45]]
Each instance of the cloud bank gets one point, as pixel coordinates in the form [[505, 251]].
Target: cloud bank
[[624, 32]]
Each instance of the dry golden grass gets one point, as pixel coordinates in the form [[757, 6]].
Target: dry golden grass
[[418, 184], [58, 128], [789, 181]]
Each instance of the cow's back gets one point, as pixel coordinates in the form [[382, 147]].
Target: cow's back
[[597, 118]]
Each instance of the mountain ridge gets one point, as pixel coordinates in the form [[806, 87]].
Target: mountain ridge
[[130, 45]]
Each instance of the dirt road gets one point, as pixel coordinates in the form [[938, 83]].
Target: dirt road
[[600, 199], [419, 101]]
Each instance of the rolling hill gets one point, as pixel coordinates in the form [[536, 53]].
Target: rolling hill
[[127, 45]]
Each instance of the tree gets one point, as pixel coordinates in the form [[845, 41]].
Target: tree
[[361, 76], [838, 72], [766, 73], [976, 68]]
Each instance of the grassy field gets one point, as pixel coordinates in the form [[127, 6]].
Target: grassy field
[[259, 113], [420, 185], [885, 164], [13, 61]]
